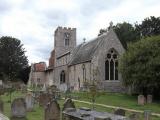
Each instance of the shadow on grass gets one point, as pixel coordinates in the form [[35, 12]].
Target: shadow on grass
[[15, 118]]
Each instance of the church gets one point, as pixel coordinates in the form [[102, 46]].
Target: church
[[73, 66]]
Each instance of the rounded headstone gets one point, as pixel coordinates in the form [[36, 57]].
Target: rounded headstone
[[18, 108]]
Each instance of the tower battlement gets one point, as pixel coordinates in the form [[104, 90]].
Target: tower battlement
[[65, 28]]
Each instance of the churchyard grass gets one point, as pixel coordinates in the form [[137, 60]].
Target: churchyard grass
[[117, 99], [105, 98]]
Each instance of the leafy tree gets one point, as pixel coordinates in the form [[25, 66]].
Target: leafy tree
[[24, 74], [140, 65], [150, 26], [12, 57], [126, 32]]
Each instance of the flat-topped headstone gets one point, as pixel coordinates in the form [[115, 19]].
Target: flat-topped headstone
[[68, 104], [18, 108], [52, 111], [141, 100], [119, 112], [149, 98], [29, 101]]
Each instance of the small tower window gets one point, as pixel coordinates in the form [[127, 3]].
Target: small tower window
[[66, 39], [66, 42]]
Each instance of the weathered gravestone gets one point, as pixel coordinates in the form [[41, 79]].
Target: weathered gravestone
[[149, 98], [18, 108], [1, 106], [134, 116], [147, 115], [141, 100], [119, 112], [68, 104], [44, 99], [52, 111], [29, 102]]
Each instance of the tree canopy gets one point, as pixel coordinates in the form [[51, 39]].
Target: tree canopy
[[150, 26], [140, 65], [12, 58], [127, 32]]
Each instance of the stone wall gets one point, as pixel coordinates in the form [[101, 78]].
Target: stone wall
[[98, 61], [77, 77]]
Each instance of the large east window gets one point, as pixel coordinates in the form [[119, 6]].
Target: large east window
[[111, 65]]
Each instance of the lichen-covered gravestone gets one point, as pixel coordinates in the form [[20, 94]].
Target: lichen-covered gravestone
[[68, 104], [52, 111], [44, 99], [29, 102], [18, 108]]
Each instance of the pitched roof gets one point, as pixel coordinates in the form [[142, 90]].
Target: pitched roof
[[85, 51]]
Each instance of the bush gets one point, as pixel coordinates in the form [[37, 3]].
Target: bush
[[140, 65]]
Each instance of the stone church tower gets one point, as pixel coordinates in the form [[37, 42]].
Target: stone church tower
[[64, 43], [64, 40]]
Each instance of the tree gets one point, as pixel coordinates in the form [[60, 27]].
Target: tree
[[126, 32], [12, 58], [150, 26], [140, 65], [24, 74]]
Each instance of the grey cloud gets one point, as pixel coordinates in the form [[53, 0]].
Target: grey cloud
[[5, 6], [93, 6]]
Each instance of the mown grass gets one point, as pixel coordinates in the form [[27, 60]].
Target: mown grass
[[103, 98], [118, 99]]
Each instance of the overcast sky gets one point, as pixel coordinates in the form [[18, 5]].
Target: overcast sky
[[34, 21]]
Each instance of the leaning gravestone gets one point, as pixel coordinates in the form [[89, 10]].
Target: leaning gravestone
[[119, 112], [44, 99], [29, 102], [52, 111], [18, 108], [1, 106], [68, 104]]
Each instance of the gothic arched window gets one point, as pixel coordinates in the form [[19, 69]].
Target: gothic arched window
[[62, 77], [111, 65]]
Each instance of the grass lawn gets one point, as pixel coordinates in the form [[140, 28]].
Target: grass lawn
[[120, 100], [105, 98]]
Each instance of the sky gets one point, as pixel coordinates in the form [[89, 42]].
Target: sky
[[34, 21]]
